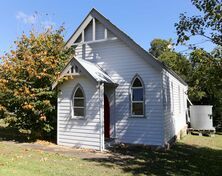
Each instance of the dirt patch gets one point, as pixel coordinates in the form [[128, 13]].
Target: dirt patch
[[68, 151], [45, 143]]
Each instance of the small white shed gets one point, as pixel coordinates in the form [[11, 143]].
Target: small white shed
[[116, 91]]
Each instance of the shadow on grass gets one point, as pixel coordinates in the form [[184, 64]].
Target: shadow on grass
[[181, 159]]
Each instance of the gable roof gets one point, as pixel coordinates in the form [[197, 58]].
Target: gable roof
[[95, 71], [125, 38], [92, 70]]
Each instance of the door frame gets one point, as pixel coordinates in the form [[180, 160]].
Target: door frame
[[106, 117]]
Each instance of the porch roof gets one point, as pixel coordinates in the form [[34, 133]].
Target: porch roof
[[95, 71], [92, 70]]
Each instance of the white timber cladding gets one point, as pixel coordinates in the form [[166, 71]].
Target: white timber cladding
[[79, 132], [100, 31], [88, 32], [175, 112], [122, 64], [112, 63]]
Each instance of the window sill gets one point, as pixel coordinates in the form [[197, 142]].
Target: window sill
[[137, 117], [77, 118]]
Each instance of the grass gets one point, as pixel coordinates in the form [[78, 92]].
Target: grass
[[194, 155], [22, 161]]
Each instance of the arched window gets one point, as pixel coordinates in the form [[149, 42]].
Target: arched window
[[137, 97], [78, 102]]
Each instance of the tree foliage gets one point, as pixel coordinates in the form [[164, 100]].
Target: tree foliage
[[162, 50], [26, 76], [159, 46], [206, 81], [207, 24], [202, 71]]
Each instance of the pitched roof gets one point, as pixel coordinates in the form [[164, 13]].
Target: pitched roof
[[127, 40], [95, 71], [91, 69]]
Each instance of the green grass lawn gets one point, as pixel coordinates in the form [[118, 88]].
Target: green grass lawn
[[194, 155], [21, 161]]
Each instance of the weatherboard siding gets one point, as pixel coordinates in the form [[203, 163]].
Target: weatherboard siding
[[79, 132], [100, 31], [122, 64], [175, 108]]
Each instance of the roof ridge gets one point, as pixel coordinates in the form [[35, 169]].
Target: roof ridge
[[162, 64], [130, 42]]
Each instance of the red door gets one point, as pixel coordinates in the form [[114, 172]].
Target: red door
[[106, 117]]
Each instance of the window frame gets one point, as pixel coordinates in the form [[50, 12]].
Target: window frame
[[73, 116], [131, 97]]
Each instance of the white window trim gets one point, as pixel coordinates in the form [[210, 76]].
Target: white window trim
[[131, 98], [72, 103]]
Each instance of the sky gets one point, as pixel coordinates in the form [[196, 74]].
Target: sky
[[142, 20]]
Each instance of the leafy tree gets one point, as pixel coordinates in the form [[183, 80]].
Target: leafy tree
[[217, 52], [159, 46], [178, 63], [205, 82], [205, 74], [26, 76], [202, 72], [162, 50], [207, 24]]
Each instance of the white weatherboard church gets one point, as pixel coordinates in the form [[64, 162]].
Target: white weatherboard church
[[116, 91]]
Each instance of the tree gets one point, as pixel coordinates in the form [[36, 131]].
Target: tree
[[205, 82], [26, 76], [207, 24], [217, 52], [159, 46], [202, 72], [178, 63], [162, 50]]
